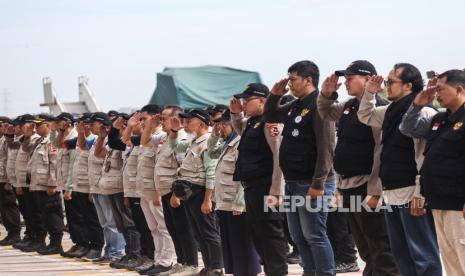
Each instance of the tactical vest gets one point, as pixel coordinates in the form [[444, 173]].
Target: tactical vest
[[145, 170], [443, 171], [63, 165], [3, 160], [39, 166], [111, 181], [298, 153], [225, 187], [95, 166], [130, 172], [21, 163], [166, 168], [10, 166], [192, 168], [81, 171], [355, 144], [255, 160], [398, 165]]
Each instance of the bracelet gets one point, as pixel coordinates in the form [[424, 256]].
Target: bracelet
[[173, 130]]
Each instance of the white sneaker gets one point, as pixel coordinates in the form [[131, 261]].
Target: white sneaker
[[187, 270]]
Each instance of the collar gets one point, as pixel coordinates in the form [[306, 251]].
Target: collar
[[457, 115], [202, 138], [232, 140], [308, 99]]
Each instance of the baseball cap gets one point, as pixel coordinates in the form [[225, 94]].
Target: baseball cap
[[225, 117], [85, 117], [197, 113], [254, 89], [216, 108], [100, 117], [65, 116], [44, 118], [358, 67]]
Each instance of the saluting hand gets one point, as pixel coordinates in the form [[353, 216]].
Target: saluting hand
[[135, 119], [118, 123], [175, 123], [374, 84], [330, 85], [103, 132], [280, 88], [426, 96], [235, 105], [154, 121]]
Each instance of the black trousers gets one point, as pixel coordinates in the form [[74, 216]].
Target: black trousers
[[9, 211], [75, 221], [266, 230], [206, 229], [93, 232], [125, 224], [371, 237], [48, 211], [341, 238], [25, 204], [146, 239], [288, 236], [181, 232]]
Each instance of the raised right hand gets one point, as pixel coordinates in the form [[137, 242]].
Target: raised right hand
[[374, 84], [235, 105], [330, 85], [426, 96]]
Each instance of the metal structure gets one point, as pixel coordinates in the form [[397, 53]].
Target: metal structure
[[86, 102]]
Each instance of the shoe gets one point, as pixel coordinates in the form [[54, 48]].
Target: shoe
[[146, 265], [34, 247], [159, 269], [10, 240], [92, 254], [216, 272], [69, 251], [27, 240], [118, 262], [204, 272], [80, 252], [187, 270], [293, 258], [105, 260], [51, 250], [177, 268], [132, 262], [346, 267]]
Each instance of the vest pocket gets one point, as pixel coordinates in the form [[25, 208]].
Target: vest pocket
[[111, 182]]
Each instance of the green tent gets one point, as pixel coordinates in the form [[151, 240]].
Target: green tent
[[200, 86]]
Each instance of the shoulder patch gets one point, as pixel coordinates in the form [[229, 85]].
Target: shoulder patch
[[273, 129]]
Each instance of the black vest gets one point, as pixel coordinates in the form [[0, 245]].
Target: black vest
[[255, 160], [398, 165], [355, 143], [443, 170], [297, 154]]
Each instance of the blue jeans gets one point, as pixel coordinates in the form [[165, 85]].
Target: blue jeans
[[413, 242], [114, 240], [308, 229]]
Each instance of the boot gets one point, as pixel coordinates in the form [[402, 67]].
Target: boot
[[10, 240]]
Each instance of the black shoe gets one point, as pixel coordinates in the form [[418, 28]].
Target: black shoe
[[346, 267], [27, 241], [92, 254], [69, 251], [293, 258], [158, 269], [216, 272], [33, 247], [118, 262], [51, 250], [146, 265], [105, 260], [204, 272], [133, 262], [10, 240], [80, 252]]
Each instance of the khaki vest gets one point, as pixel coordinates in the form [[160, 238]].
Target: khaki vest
[[95, 165], [3, 160], [192, 168], [21, 163], [111, 181], [130, 172], [166, 168], [10, 166], [40, 166], [63, 164], [225, 188], [80, 171], [145, 171]]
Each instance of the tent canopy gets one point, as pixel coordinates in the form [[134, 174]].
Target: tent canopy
[[200, 86]]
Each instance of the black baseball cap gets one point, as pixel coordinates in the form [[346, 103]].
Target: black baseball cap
[[216, 108], [100, 117], [65, 116], [197, 113], [5, 120], [225, 117], [125, 116], [112, 113], [358, 67], [254, 89], [41, 118], [85, 118], [26, 118]]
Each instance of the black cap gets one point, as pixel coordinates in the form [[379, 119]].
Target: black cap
[[216, 108], [100, 117], [112, 113], [124, 115], [26, 118], [45, 118], [16, 121], [65, 116], [225, 117], [85, 118], [197, 113], [358, 67], [5, 120], [254, 89], [152, 109]]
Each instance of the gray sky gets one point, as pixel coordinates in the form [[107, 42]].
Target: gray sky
[[121, 44]]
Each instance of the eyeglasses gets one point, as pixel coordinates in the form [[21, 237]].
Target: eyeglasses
[[390, 82], [247, 100]]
